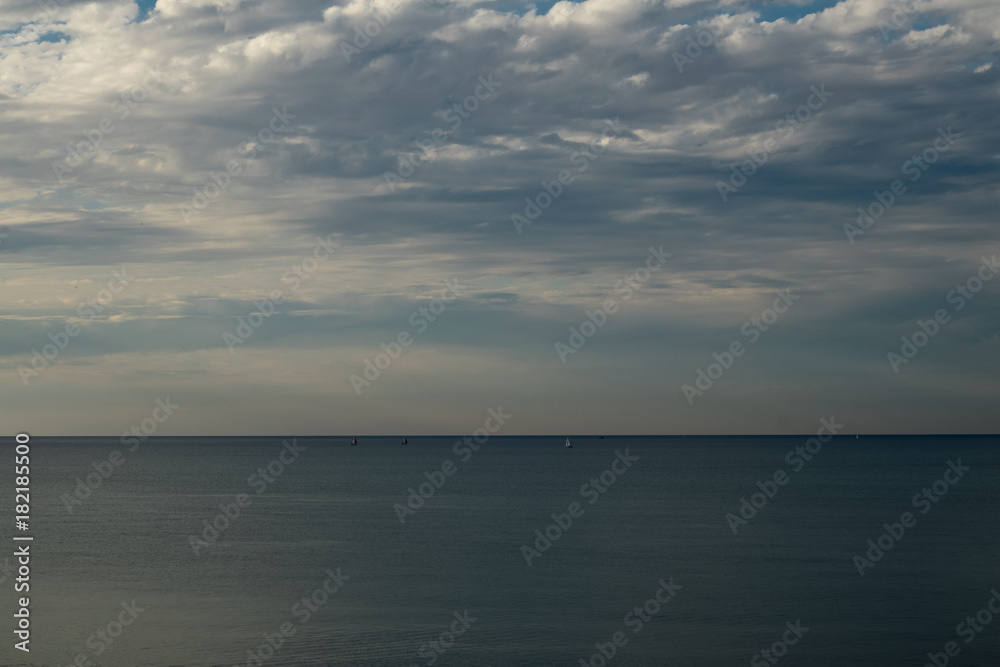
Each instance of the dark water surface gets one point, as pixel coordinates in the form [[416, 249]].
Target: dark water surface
[[664, 517]]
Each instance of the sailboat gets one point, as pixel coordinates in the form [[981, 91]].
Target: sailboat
[[355, 441], [568, 445], [405, 441]]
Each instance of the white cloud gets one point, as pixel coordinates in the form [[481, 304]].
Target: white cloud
[[561, 76]]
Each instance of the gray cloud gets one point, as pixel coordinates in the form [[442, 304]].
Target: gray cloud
[[561, 72]]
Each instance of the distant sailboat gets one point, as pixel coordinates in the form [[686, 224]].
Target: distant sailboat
[[405, 441], [568, 445], [355, 441]]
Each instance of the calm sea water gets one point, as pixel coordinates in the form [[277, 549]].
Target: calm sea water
[[664, 517]]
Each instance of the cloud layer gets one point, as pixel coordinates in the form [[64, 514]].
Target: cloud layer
[[535, 154]]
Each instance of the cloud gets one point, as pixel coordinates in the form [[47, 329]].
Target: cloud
[[375, 88]]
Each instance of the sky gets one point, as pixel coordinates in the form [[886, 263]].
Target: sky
[[611, 216]]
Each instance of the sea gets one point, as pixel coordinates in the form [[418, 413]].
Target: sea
[[620, 551]]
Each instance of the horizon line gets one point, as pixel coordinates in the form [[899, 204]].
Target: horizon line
[[545, 435]]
